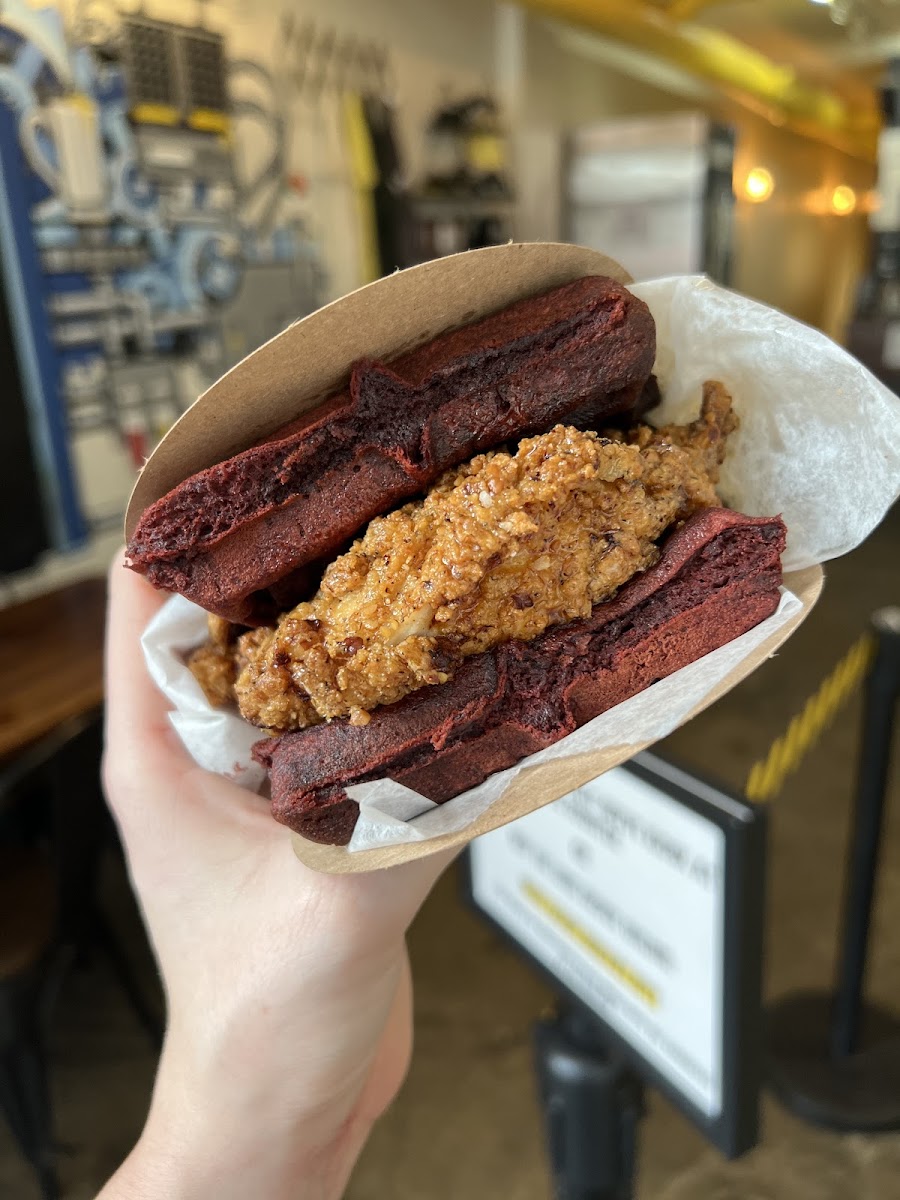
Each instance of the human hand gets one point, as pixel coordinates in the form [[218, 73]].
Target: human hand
[[288, 992]]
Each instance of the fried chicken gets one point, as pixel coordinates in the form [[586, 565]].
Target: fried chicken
[[704, 439], [499, 549], [214, 665]]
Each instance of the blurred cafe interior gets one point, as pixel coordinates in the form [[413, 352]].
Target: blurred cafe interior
[[179, 182]]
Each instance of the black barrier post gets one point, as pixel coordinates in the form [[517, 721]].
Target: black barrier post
[[882, 690], [833, 1059], [592, 1106]]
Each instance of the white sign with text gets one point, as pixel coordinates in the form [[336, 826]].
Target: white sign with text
[[618, 890]]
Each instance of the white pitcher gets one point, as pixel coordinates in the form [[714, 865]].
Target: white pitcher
[[72, 123]]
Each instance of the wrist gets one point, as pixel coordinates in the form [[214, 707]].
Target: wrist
[[163, 1167], [195, 1146], [166, 1165]]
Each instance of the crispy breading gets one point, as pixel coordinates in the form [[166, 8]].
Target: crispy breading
[[705, 439], [499, 549], [213, 665]]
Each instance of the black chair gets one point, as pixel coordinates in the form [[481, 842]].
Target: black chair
[[80, 831], [28, 908], [54, 831]]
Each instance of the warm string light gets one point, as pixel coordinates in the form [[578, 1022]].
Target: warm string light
[[843, 200], [759, 185], [840, 201]]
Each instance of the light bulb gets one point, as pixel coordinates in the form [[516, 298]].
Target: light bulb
[[759, 185], [843, 200]]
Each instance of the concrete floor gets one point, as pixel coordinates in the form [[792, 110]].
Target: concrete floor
[[466, 1124]]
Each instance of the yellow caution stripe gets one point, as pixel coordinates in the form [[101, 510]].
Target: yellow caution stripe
[[155, 114], [588, 942], [210, 120], [767, 776]]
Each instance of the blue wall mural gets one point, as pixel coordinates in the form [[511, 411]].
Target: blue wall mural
[[132, 272]]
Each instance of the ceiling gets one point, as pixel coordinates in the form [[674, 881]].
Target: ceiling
[[812, 65], [844, 33]]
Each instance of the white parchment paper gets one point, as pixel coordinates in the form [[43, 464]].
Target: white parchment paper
[[819, 440], [819, 443]]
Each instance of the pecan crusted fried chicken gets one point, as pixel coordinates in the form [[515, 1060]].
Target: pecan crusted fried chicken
[[214, 665], [499, 549]]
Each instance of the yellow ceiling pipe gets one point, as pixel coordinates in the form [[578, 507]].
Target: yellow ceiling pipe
[[685, 10], [738, 71]]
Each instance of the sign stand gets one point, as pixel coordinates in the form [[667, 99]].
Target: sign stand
[[835, 1059], [639, 898], [592, 1104]]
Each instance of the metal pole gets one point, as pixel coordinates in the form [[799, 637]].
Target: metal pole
[[882, 689], [592, 1106]]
